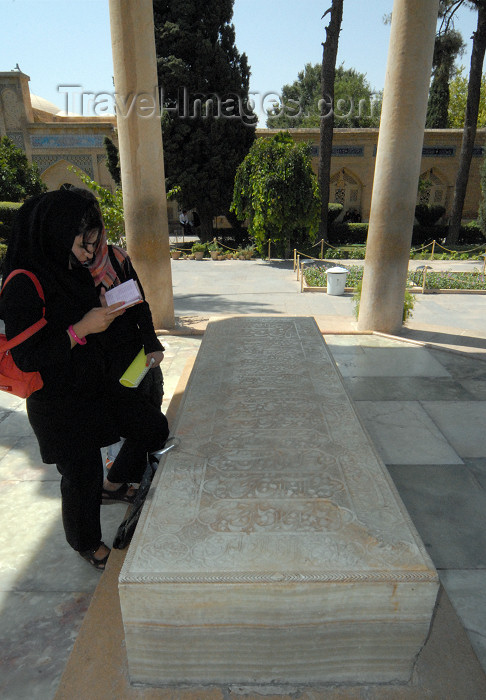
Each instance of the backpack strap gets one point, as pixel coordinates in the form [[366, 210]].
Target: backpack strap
[[13, 342], [120, 273]]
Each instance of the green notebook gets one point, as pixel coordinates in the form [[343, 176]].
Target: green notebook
[[136, 371]]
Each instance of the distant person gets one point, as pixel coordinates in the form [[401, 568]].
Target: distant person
[[185, 223]]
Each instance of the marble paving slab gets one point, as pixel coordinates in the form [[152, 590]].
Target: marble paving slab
[[382, 357], [448, 507], [468, 588], [466, 436], [405, 433], [273, 546]]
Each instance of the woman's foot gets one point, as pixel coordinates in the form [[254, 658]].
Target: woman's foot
[[120, 493], [97, 557]]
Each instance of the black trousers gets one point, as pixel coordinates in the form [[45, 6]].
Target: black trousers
[[146, 430]]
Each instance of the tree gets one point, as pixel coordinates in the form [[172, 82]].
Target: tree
[[328, 76], [355, 103], [458, 100], [278, 193], [112, 160], [208, 124], [470, 120], [18, 178], [448, 46], [111, 206]]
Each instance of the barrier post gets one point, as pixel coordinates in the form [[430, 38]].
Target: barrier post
[[322, 248], [298, 267], [433, 249], [302, 277], [484, 265], [269, 250], [295, 257], [423, 280]]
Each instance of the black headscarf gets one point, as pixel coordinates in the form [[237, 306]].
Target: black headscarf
[[41, 241]]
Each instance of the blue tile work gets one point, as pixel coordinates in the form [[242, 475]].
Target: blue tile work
[[67, 141]]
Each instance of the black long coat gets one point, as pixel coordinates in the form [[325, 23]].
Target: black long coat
[[72, 410]]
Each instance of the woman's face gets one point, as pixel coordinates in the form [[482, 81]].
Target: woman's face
[[84, 247]]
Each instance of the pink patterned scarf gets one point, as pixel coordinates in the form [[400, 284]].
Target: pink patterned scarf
[[101, 268]]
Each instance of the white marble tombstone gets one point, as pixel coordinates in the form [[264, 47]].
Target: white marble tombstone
[[273, 546]]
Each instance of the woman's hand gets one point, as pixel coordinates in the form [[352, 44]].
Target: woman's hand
[[102, 297], [156, 356], [98, 319]]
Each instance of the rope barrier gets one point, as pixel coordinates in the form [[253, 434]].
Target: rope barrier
[[471, 250], [304, 255], [417, 250], [228, 247]]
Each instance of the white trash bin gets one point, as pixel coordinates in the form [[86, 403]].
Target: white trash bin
[[336, 280]]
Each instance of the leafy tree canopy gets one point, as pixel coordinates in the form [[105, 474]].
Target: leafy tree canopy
[[112, 160], [111, 205], [278, 193], [208, 124], [458, 98], [355, 103], [18, 178], [448, 45]]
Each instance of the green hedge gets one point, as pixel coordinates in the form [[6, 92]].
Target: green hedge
[[348, 234], [422, 235], [471, 234], [7, 214], [429, 214], [333, 211], [352, 234]]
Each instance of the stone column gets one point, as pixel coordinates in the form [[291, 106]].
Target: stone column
[[141, 153], [397, 166]]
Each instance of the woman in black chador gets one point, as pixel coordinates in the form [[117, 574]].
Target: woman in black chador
[[77, 411]]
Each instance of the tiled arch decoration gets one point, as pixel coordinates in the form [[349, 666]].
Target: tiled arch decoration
[[45, 161]]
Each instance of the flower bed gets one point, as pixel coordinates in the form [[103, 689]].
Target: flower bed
[[449, 280], [315, 276]]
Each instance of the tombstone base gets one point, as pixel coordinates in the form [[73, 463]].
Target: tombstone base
[[273, 547]]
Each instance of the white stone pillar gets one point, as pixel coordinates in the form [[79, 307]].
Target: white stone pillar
[[141, 152], [397, 168]]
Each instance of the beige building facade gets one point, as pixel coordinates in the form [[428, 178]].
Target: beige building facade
[[55, 141], [50, 138], [353, 166]]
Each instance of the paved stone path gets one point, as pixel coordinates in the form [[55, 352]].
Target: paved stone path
[[424, 408]]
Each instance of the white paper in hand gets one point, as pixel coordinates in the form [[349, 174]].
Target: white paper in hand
[[128, 292]]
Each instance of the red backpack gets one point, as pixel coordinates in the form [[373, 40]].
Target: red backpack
[[12, 379]]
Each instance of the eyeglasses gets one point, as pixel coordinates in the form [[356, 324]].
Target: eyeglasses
[[89, 247]]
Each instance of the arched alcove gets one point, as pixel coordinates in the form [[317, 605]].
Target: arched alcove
[[58, 173], [433, 188], [346, 189]]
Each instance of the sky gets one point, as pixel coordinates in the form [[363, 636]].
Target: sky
[[67, 43]]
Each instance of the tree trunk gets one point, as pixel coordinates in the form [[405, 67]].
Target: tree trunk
[[328, 74], [205, 231], [470, 125]]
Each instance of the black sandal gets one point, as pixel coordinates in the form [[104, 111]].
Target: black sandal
[[120, 495], [89, 555]]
